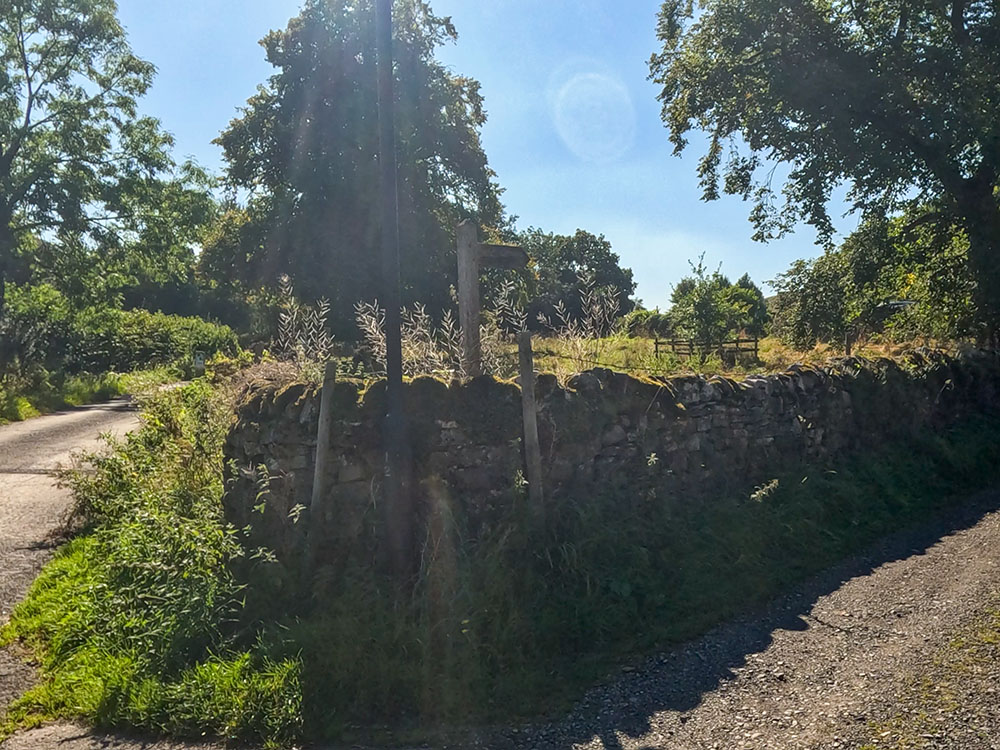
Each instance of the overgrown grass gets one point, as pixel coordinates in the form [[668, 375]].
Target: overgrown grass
[[155, 619], [133, 619], [565, 356], [20, 400]]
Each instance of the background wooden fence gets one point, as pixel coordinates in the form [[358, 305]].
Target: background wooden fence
[[690, 347]]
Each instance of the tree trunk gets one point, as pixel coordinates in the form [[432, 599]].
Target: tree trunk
[[982, 223], [6, 252]]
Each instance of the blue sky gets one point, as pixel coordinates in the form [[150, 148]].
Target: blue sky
[[574, 131]]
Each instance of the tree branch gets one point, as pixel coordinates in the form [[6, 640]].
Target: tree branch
[[958, 22]]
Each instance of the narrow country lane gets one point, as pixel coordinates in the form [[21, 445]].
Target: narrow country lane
[[32, 504]]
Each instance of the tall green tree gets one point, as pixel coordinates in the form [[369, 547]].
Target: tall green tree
[[564, 267], [70, 137], [305, 150], [896, 98], [812, 301], [896, 276], [708, 308]]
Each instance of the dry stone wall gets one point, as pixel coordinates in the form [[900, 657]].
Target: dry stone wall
[[691, 436]]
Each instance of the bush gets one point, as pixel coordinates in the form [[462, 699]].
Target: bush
[[41, 332], [34, 330], [126, 340], [647, 324], [135, 617]]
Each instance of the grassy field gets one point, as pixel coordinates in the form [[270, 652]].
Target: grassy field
[[565, 357]]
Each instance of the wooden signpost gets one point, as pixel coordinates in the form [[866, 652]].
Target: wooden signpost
[[473, 256]]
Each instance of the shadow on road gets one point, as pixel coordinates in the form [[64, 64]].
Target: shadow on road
[[678, 680]]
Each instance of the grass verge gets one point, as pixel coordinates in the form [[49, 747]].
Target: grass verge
[[47, 395], [156, 618]]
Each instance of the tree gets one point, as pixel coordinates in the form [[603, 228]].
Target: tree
[[812, 302], [305, 149], [895, 99], [749, 299], [707, 308], [564, 266], [70, 138]]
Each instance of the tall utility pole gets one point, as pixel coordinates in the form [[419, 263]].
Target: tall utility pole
[[398, 506]]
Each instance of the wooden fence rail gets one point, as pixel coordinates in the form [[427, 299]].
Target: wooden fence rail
[[690, 347]]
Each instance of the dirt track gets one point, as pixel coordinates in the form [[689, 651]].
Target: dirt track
[[819, 669]]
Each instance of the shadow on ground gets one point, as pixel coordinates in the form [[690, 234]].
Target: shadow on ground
[[677, 680]]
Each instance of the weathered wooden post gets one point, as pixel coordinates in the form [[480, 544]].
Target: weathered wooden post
[[472, 256], [468, 297], [319, 470], [529, 415]]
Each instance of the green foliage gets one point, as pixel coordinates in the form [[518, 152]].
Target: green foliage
[[22, 399], [566, 267], [857, 288], [140, 622], [133, 620], [811, 302], [889, 98], [69, 132], [708, 308], [126, 340], [648, 324], [305, 147], [42, 333]]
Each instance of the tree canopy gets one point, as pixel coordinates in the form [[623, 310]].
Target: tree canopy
[[895, 99], [565, 267], [74, 154], [707, 307], [892, 276], [305, 150]]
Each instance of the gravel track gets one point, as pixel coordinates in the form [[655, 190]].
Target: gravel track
[[823, 667]]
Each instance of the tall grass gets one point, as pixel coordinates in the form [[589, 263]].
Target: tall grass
[[133, 620], [155, 617]]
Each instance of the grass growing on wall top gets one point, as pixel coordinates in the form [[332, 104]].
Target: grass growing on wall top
[[142, 620]]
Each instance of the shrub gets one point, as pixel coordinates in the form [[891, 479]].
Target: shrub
[[134, 619], [40, 331], [126, 340]]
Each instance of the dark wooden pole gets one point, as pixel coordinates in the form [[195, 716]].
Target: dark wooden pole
[[397, 506], [468, 296], [314, 518], [532, 449]]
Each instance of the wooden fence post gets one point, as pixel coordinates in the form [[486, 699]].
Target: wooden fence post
[[319, 470], [468, 296], [532, 449]]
